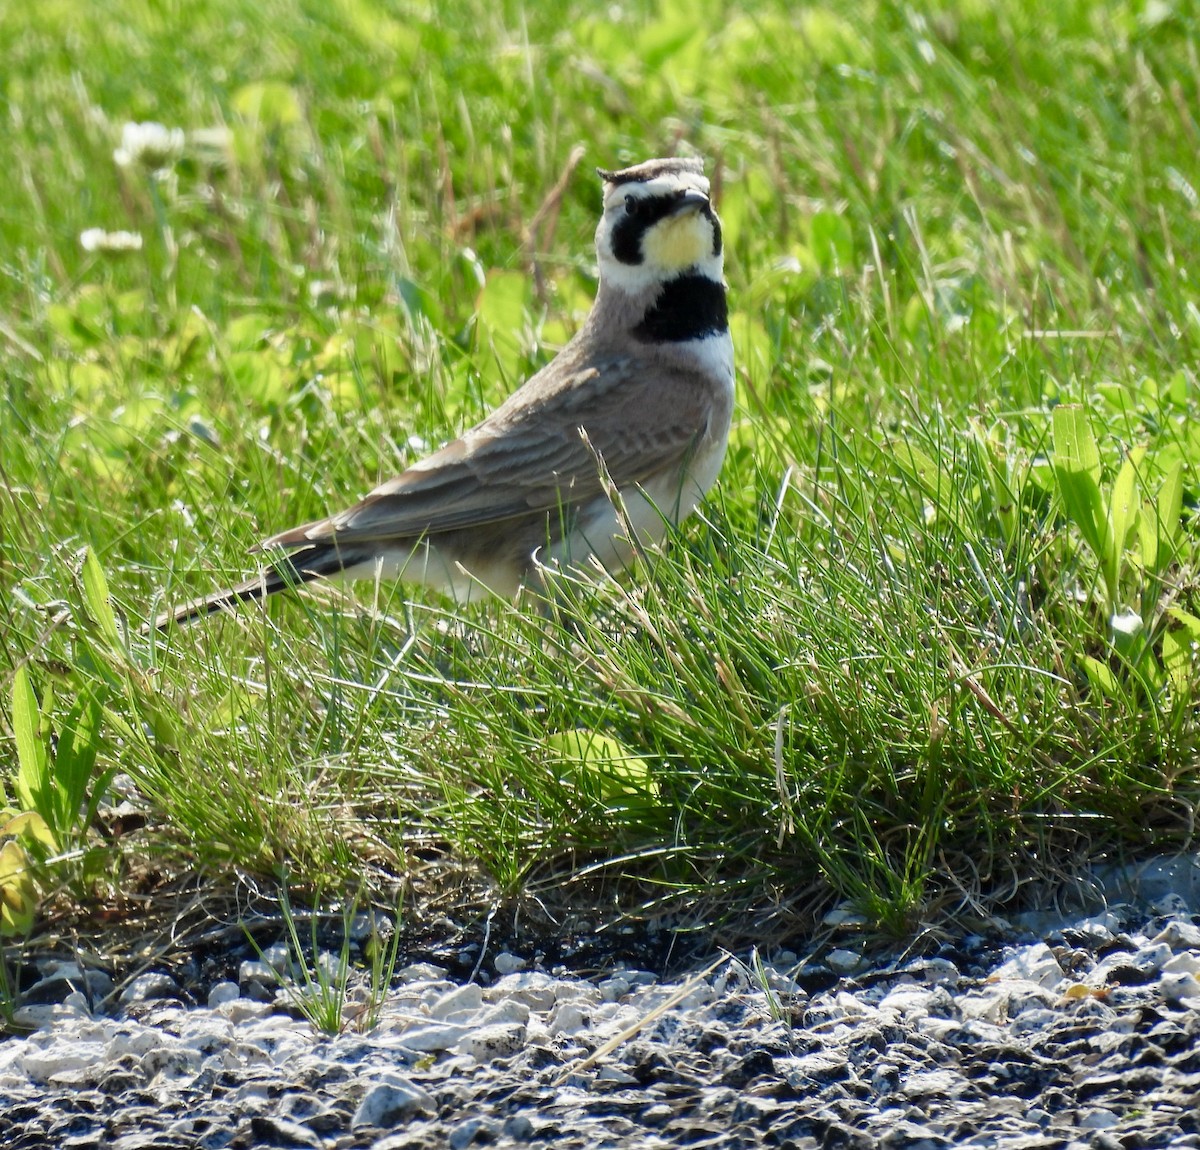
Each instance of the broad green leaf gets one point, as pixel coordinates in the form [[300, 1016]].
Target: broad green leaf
[[1148, 538], [915, 314], [1130, 641], [418, 301], [99, 789], [261, 376], [935, 480], [1101, 678], [249, 331], [1180, 645], [1074, 443], [1000, 467], [1077, 472], [921, 467], [234, 707], [1123, 504], [33, 768], [95, 594], [1123, 515], [1170, 508], [1160, 523], [131, 307], [1191, 624], [163, 723], [84, 319], [1177, 390], [604, 768], [1177, 648], [78, 745]]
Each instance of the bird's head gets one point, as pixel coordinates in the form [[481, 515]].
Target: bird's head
[[658, 224]]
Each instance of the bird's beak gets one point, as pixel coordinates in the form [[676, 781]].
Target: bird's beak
[[689, 201]]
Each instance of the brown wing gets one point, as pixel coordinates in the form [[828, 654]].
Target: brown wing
[[530, 456]]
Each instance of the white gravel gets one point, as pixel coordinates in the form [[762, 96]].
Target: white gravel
[[1086, 1036]]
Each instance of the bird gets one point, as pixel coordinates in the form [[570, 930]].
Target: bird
[[620, 435]]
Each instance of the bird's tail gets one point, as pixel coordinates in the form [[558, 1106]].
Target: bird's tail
[[314, 562]]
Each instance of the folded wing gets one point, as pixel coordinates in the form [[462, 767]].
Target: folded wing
[[523, 460]]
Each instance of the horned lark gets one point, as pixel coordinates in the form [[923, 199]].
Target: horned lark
[[642, 396]]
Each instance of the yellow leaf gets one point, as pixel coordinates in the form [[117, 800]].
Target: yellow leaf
[[18, 893], [604, 768], [32, 826]]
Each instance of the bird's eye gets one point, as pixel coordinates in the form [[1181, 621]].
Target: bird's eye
[[633, 205]]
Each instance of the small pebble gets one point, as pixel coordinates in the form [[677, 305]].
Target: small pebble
[[223, 992], [151, 985], [1179, 934], [387, 1103], [844, 961]]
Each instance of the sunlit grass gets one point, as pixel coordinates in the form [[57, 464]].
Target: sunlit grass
[[914, 651]]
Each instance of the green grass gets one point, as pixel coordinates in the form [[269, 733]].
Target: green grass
[[933, 636]]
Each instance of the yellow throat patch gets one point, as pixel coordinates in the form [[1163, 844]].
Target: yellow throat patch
[[677, 242]]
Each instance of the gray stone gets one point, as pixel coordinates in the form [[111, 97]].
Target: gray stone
[[499, 1040], [843, 961], [1033, 964], [251, 970], [149, 985], [279, 957], [657, 1114], [421, 972], [222, 992], [908, 999], [933, 1083], [473, 1130], [458, 1004], [389, 1101], [270, 1131], [518, 1127], [1179, 934], [568, 1018], [434, 1036], [532, 988], [1179, 985], [42, 1064], [66, 978], [1170, 903], [615, 988]]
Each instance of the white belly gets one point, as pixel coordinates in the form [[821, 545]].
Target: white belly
[[666, 499], [429, 566]]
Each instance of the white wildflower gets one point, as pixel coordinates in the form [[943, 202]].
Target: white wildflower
[[98, 240], [151, 145], [1126, 622]]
